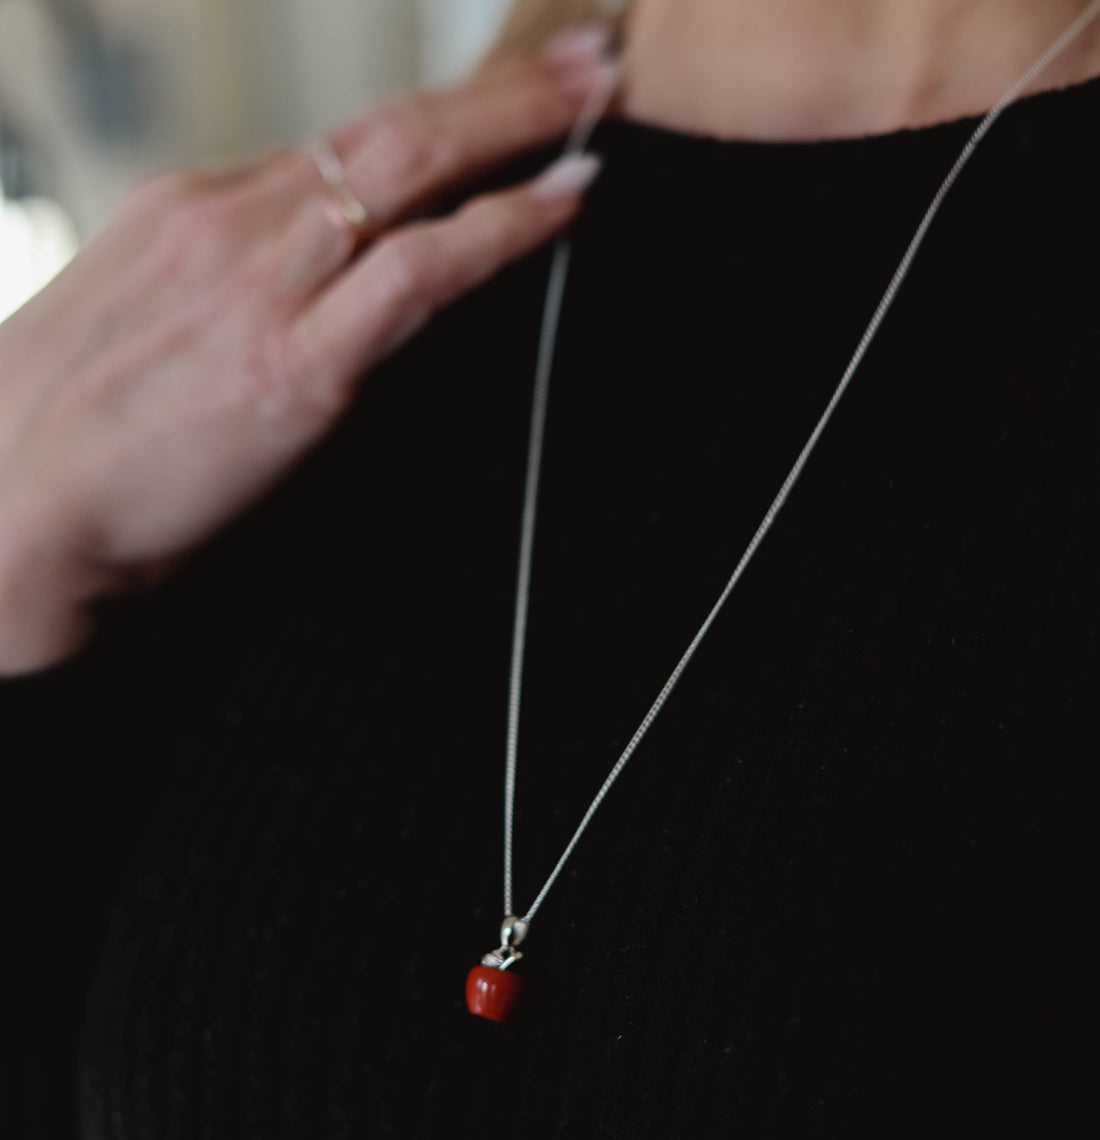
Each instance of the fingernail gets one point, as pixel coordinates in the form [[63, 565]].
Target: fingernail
[[586, 44], [571, 174]]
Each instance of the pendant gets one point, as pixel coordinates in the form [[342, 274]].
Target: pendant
[[492, 991]]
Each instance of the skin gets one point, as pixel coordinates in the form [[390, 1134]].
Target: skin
[[216, 329], [812, 69]]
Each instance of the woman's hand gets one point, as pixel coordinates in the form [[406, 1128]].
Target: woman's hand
[[216, 329]]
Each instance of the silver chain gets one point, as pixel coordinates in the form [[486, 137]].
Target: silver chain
[[559, 269]]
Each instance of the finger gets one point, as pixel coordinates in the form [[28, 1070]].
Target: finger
[[230, 175], [407, 277], [407, 152], [318, 243]]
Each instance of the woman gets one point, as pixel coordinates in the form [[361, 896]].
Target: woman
[[836, 892]]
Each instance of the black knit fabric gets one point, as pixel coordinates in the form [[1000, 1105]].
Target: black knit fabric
[[835, 893]]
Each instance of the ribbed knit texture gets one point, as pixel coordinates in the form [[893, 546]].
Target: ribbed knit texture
[[836, 891]]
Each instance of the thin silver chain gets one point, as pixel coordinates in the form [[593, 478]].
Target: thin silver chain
[[559, 269]]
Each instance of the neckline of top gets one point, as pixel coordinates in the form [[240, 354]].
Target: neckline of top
[[1033, 104]]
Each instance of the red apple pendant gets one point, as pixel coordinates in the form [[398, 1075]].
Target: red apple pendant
[[492, 990], [493, 993]]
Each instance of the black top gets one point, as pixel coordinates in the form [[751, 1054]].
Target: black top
[[835, 893]]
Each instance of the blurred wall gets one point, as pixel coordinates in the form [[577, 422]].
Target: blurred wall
[[102, 91]]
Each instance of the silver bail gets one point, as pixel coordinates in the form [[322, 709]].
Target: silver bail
[[513, 931]]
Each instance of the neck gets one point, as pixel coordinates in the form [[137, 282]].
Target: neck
[[804, 69]]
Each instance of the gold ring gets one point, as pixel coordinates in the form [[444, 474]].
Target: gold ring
[[332, 171]]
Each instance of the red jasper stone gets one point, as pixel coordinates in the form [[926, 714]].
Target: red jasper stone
[[493, 993]]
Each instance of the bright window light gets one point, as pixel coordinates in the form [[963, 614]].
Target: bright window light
[[37, 239]]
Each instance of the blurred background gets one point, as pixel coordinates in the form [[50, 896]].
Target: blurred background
[[95, 93]]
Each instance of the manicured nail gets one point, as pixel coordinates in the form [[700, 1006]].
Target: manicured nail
[[567, 177], [586, 44]]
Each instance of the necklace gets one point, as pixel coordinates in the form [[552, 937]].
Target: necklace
[[492, 988]]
